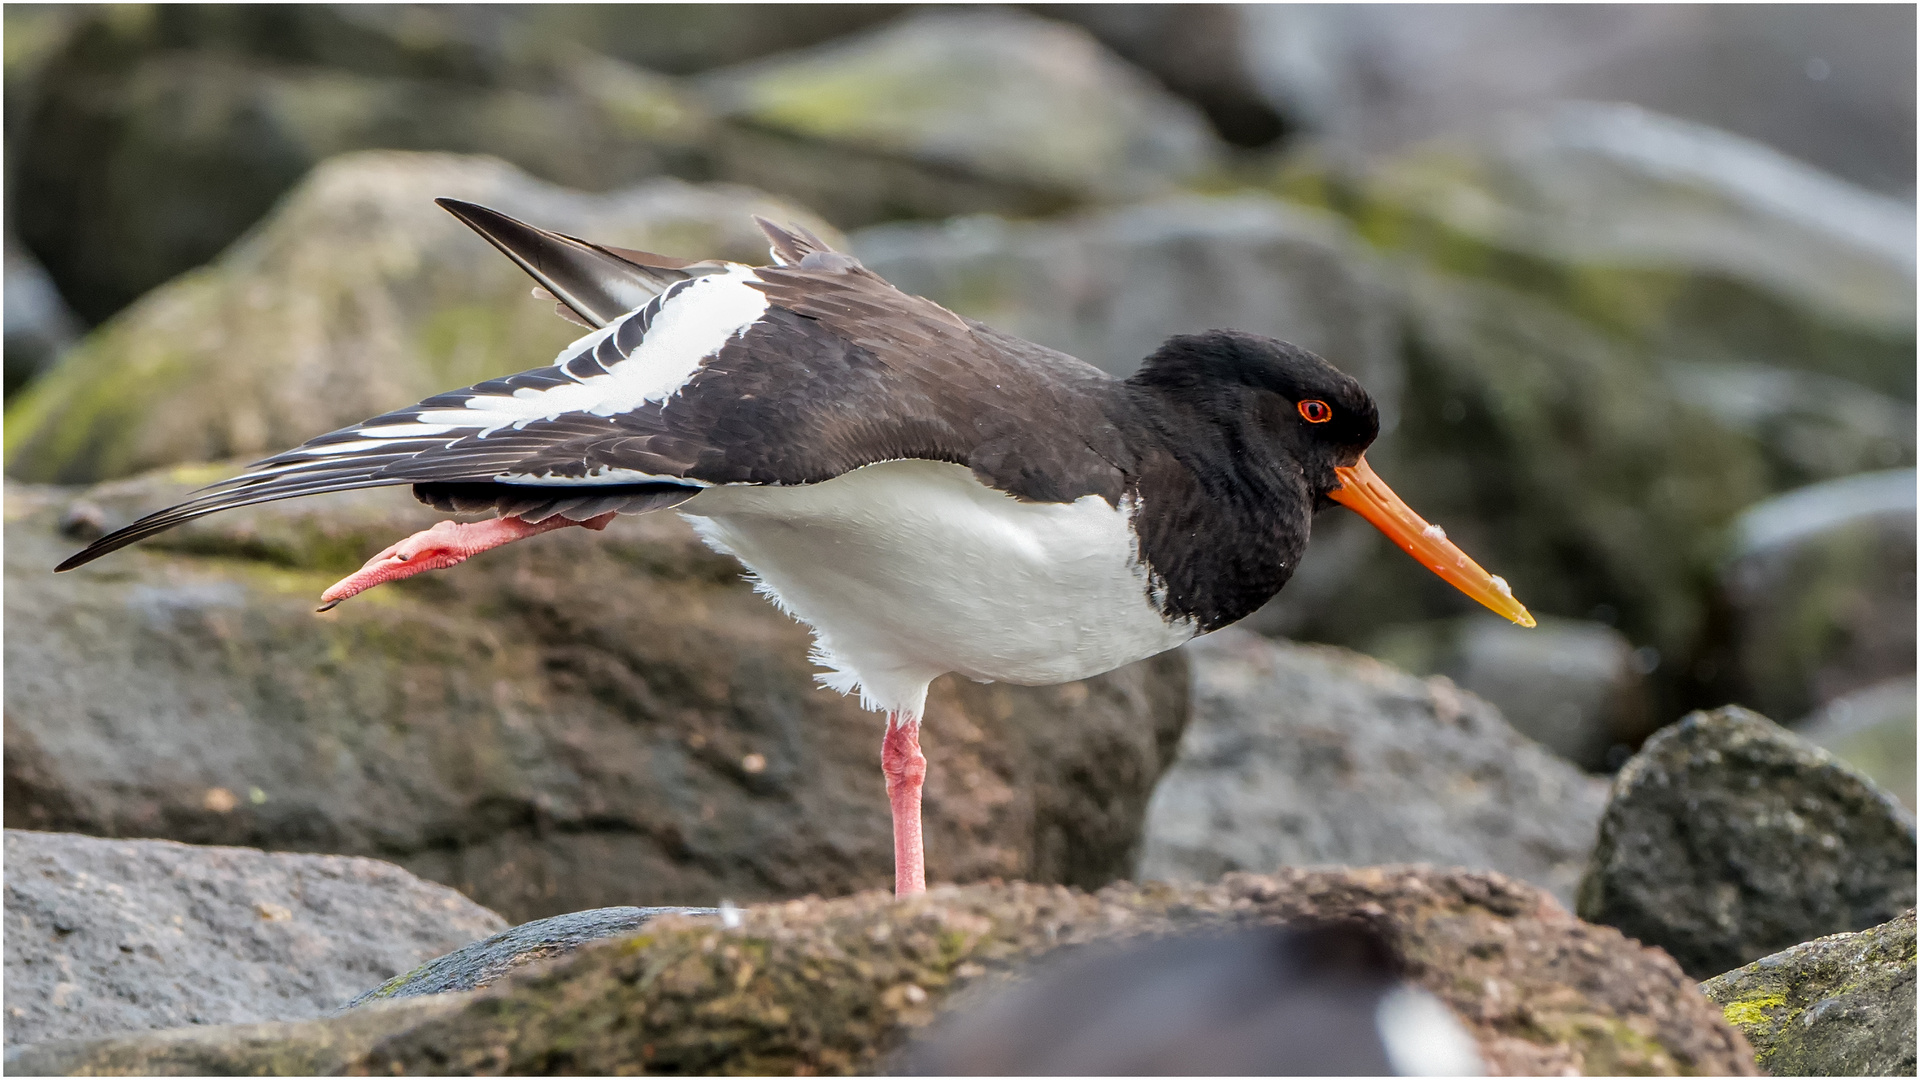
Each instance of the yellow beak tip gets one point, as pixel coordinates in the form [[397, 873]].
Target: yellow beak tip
[[1525, 619]]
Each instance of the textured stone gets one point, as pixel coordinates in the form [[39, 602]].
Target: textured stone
[[482, 963], [1300, 755], [582, 720], [1727, 838], [359, 295], [107, 936], [839, 986], [1575, 687], [994, 93], [1841, 1005]]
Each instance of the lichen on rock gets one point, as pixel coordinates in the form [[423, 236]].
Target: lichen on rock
[[1841, 1005]]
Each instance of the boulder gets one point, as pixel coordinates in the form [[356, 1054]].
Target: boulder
[[1819, 589], [153, 138], [1827, 85], [1727, 838], [1573, 686], [110, 936], [1841, 1005], [483, 963], [840, 986], [1694, 244], [1111, 286], [1300, 755], [580, 721], [1194, 50], [989, 93], [359, 295]]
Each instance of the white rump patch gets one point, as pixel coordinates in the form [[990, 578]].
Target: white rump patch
[[687, 331]]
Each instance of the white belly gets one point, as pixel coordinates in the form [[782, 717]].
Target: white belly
[[910, 569]]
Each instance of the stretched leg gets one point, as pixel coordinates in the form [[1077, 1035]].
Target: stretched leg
[[906, 770], [448, 543]]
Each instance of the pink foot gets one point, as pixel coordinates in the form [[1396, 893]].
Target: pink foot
[[448, 543], [906, 770]]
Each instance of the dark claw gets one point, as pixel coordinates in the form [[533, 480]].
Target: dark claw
[[328, 606]]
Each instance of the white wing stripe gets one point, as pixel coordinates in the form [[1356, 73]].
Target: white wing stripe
[[688, 330]]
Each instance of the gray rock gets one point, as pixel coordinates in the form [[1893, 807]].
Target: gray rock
[[1873, 731], [1302, 755], [273, 1048], [994, 93], [1813, 427], [108, 936], [1842, 1005], [1831, 86], [1577, 688], [1698, 245], [357, 296], [1194, 49], [1727, 838], [578, 722], [1820, 586], [471, 967], [819, 987], [156, 138], [1110, 287]]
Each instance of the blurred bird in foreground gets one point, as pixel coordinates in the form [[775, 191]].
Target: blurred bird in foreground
[[927, 493], [1269, 1001]]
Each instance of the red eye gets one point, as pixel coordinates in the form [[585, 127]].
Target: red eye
[[1315, 412]]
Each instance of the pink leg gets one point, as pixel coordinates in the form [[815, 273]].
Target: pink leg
[[448, 543], [906, 770]]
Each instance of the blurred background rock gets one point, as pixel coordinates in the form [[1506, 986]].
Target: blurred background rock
[[1634, 286]]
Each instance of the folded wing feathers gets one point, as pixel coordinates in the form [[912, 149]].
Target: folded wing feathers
[[451, 465]]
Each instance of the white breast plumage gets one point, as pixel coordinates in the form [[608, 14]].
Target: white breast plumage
[[910, 569]]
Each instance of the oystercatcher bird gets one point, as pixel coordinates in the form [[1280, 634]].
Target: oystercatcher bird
[[927, 493]]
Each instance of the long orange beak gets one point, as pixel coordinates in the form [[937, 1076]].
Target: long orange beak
[[1363, 492]]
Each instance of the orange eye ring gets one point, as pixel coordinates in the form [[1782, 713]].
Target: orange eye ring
[[1315, 411]]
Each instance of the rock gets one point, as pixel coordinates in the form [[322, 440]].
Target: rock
[[1299, 755], [584, 721], [1259, 1001], [1111, 286], [359, 295], [154, 138], [1873, 731], [1727, 838], [839, 986], [1842, 1005], [1819, 585], [109, 936], [1696, 245], [1195, 50], [1575, 687], [483, 963], [295, 1048], [1828, 86], [989, 93], [1811, 427]]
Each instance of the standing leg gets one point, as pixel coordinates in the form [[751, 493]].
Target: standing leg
[[906, 770]]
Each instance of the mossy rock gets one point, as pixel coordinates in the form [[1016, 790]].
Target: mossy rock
[[841, 986], [583, 720], [357, 296], [1841, 1005]]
